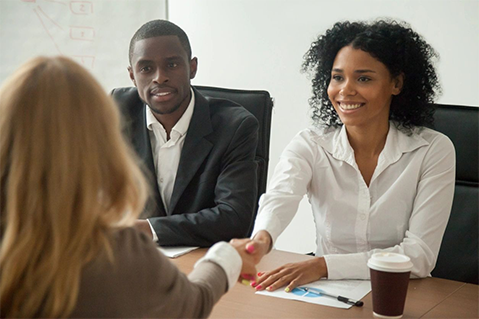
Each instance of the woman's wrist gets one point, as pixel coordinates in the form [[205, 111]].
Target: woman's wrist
[[264, 238], [322, 267]]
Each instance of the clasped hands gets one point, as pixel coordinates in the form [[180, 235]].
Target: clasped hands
[[290, 275], [253, 250]]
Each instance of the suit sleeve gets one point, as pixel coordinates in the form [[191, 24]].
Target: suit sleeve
[[235, 195]]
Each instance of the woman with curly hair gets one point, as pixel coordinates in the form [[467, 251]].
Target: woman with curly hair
[[376, 178]]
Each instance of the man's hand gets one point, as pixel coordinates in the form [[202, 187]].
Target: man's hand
[[143, 226]]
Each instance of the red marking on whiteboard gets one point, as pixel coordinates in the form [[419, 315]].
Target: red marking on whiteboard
[[55, 1], [49, 18], [82, 33], [86, 60], [44, 27], [28, 0], [81, 7]]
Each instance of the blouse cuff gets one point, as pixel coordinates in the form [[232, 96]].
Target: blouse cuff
[[347, 266], [225, 256], [268, 223]]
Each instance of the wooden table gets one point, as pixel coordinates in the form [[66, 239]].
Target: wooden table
[[426, 298]]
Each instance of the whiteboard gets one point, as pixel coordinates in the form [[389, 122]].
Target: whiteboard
[[96, 33]]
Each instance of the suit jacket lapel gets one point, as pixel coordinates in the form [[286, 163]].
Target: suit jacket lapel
[[141, 142], [195, 149]]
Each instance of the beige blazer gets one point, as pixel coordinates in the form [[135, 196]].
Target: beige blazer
[[142, 282]]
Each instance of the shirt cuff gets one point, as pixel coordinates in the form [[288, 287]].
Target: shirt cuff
[[268, 223], [347, 266], [155, 236], [225, 256]]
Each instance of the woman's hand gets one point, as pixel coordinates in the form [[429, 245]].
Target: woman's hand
[[292, 275]]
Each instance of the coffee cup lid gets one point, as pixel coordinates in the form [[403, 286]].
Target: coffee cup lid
[[390, 262]]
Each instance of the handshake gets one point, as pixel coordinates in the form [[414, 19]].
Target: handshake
[[290, 275], [251, 251]]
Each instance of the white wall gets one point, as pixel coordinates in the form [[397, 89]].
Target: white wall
[[259, 44]]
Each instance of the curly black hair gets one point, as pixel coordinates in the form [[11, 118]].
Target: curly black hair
[[398, 47]]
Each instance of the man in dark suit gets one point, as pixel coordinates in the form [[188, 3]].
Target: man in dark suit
[[198, 154]]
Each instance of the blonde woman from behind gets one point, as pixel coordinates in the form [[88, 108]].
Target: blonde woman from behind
[[70, 190]]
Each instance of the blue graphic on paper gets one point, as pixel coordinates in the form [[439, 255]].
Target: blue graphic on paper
[[307, 292]]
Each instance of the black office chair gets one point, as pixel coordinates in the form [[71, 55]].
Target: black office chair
[[458, 256], [260, 104]]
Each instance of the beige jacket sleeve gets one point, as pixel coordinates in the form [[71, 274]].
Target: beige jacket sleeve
[[143, 283], [194, 296]]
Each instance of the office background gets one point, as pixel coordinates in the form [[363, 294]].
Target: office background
[[249, 44], [259, 44]]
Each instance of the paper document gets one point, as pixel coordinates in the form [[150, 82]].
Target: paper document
[[176, 251], [353, 289]]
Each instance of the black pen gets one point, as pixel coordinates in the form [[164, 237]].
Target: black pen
[[357, 303]]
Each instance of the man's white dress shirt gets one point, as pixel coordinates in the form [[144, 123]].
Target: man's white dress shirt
[[405, 209], [167, 153]]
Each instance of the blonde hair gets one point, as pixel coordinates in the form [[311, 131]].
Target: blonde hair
[[68, 180]]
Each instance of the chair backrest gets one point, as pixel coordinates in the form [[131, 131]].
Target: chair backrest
[[458, 256], [260, 104]]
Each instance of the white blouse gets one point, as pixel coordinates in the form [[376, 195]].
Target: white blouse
[[405, 209]]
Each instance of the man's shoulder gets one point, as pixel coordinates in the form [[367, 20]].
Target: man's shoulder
[[126, 96], [125, 92]]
